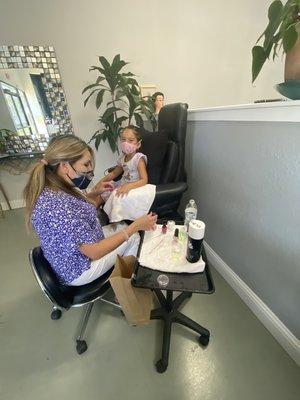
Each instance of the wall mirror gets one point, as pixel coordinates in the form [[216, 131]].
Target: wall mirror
[[33, 105]]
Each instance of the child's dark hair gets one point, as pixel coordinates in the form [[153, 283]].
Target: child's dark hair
[[136, 131]]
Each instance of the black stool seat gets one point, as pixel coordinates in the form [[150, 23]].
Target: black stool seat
[[63, 295], [86, 293]]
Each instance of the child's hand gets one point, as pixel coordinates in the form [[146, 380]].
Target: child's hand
[[101, 187], [123, 190]]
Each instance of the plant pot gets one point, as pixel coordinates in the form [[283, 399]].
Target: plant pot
[[290, 88], [292, 63]]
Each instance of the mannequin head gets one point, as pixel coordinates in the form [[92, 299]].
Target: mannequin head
[[158, 100]]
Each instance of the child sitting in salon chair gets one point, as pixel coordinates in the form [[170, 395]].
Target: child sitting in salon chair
[[131, 196]]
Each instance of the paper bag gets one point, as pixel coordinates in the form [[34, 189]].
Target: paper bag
[[136, 303]]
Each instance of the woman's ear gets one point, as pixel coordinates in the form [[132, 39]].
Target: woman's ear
[[64, 167], [139, 144]]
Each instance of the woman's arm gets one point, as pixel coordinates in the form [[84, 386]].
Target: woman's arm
[[103, 185], [124, 189], [98, 250]]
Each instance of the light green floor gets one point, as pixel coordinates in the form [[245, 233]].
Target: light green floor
[[38, 359]]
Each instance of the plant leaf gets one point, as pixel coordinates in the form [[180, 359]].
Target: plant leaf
[[109, 111], [98, 141], [99, 98], [97, 68], [105, 63], [117, 67], [116, 59], [87, 99], [120, 120], [95, 134], [127, 74], [297, 27], [89, 87], [100, 79], [275, 10], [275, 18], [139, 120], [112, 143], [289, 39], [258, 59]]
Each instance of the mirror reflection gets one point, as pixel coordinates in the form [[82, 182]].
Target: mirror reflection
[[24, 108], [32, 102]]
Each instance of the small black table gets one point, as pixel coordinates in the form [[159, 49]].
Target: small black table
[[168, 311]]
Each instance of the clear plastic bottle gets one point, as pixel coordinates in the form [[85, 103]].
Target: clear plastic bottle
[[176, 246], [190, 212]]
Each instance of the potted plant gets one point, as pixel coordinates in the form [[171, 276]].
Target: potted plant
[[4, 134], [122, 95], [281, 33]]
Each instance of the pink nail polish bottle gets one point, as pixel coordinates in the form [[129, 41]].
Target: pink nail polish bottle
[[164, 228]]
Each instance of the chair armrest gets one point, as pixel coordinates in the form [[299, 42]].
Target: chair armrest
[[170, 190]]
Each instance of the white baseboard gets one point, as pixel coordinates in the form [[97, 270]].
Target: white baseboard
[[13, 203], [281, 333]]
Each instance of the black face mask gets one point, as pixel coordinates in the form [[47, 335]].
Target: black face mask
[[83, 180]]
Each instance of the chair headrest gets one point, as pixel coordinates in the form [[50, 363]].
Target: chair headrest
[[155, 146], [172, 119]]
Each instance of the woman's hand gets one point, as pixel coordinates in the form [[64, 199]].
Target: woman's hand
[[95, 251], [101, 187], [146, 222], [123, 190]]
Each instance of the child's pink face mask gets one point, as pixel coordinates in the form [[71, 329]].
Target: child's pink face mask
[[128, 148]]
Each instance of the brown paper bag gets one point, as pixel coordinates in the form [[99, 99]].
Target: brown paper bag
[[136, 303]]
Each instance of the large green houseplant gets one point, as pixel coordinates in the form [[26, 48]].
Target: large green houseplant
[[281, 33], [122, 97]]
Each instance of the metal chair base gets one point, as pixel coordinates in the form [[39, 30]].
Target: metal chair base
[[168, 312], [81, 345]]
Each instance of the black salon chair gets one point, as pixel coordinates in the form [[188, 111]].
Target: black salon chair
[[65, 297], [165, 151]]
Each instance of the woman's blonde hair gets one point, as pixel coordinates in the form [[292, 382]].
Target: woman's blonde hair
[[65, 148]]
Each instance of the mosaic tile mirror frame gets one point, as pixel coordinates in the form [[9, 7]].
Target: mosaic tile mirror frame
[[44, 59]]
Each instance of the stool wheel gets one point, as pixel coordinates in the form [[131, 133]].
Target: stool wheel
[[161, 366], [56, 314], [204, 340], [81, 346]]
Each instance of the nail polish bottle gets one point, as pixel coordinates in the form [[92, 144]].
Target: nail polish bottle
[[164, 228], [176, 246], [176, 236]]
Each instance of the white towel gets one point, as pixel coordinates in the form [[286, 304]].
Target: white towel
[[132, 206], [157, 253]]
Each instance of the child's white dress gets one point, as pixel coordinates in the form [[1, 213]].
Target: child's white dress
[[137, 202]]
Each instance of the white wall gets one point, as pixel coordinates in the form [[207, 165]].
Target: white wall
[[196, 51], [245, 178]]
